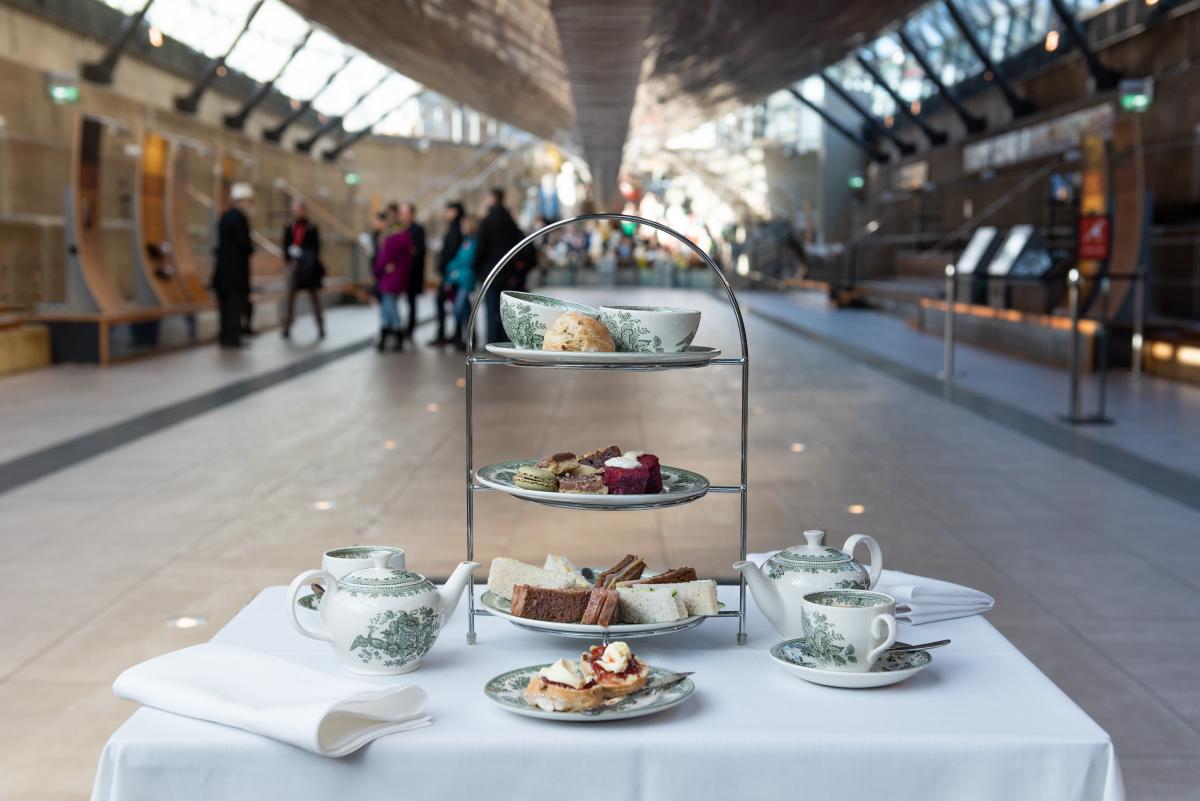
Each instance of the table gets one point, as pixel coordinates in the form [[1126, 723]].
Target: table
[[981, 723]]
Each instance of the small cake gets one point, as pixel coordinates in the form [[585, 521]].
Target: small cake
[[556, 606], [586, 470], [602, 607], [625, 476], [578, 333], [560, 463], [535, 478], [597, 457], [622, 571], [562, 688], [614, 668], [649, 461], [587, 485]]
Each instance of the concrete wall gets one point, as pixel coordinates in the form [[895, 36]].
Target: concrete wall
[[37, 136]]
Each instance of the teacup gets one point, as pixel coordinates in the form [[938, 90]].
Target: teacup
[[526, 317], [341, 562], [650, 329], [848, 630]]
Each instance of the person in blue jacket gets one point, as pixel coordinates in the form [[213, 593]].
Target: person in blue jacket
[[460, 274]]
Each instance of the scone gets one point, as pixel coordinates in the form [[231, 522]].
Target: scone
[[535, 478], [614, 668], [561, 687], [578, 333]]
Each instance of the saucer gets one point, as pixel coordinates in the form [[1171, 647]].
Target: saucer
[[311, 602], [794, 657]]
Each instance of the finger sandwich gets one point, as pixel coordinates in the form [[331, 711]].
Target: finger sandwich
[[507, 573], [699, 597], [649, 604]]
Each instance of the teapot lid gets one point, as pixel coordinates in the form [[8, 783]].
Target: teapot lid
[[379, 579], [813, 552]]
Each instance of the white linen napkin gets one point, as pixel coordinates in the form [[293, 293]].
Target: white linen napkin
[[920, 599], [240, 687]]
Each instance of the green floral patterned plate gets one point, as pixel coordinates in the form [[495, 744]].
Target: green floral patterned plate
[[311, 602], [679, 486], [794, 657], [507, 689], [502, 607], [694, 356]]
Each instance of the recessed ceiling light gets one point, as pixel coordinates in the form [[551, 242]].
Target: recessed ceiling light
[[856, 508], [323, 506], [460, 382], [431, 407], [390, 444], [797, 447], [185, 621]]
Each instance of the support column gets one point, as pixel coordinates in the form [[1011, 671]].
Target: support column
[[102, 71], [190, 102]]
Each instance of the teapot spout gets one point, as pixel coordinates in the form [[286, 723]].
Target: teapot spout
[[452, 590], [766, 594]]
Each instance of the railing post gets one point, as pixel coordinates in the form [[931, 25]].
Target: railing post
[[1139, 320], [1073, 281], [1102, 367], [948, 327]]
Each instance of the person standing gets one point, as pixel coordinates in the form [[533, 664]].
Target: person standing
[[416, 272], [306, 273], [392, 267], [451, 243], [231, 264], [498, 234], [460, 277]]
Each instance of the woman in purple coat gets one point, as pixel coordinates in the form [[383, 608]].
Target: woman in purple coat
[[392, 266]]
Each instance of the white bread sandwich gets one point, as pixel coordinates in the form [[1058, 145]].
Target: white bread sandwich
[[561, 564], [649, 604], [699, 597], [507, 573]]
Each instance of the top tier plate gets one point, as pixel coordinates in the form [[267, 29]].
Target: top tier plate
[[695, 356], [679, 487]]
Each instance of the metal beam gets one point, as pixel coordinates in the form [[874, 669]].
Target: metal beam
[[973, 122], [350, 139], [102, 70], [875, 125], [1103, 78], [238, 121], [872, 153], [190, 102], [276, 134], [1020, 105], [934, 136], [333, 123]]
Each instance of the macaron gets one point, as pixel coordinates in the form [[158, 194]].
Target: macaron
[[531, 477]]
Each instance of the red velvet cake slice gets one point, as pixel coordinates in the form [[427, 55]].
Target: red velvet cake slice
[[649, 461], [625, 476]]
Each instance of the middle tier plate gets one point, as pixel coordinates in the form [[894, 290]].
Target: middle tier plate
[[679, 486], [502, 607]]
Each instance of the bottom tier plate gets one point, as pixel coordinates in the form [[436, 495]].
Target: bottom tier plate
[[502, 607]]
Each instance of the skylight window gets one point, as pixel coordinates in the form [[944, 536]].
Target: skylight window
[[208, 26], [359, 76], [322, 56], [266, 46], [390, 94]]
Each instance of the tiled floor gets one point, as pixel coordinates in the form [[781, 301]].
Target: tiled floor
[[1095, 578]]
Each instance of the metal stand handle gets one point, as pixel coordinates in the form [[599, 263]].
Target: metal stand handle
[[948, 346]]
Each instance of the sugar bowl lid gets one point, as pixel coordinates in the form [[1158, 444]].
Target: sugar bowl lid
[[813, 552], [379, 578]]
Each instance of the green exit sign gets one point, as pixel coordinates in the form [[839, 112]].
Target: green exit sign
[[856, 182], [1135, 95], [62, 88], [353, 178]]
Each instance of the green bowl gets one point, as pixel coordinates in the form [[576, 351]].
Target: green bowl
[[526, 317]]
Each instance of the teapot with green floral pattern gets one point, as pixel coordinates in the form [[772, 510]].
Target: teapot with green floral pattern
[[779, 586]]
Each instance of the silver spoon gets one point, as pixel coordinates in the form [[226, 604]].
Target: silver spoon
[[655, 684], [904, 648]]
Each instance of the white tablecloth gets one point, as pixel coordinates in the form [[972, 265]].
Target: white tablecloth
[[981, 723]]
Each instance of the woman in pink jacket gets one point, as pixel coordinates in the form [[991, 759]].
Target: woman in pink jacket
[[391, 278]]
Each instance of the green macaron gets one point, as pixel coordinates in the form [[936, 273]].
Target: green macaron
[[531, 477]]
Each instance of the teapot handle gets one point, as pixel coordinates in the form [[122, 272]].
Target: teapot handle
[[876, 566], [298, 584]]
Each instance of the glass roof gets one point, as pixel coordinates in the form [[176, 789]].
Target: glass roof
[[340, 80]]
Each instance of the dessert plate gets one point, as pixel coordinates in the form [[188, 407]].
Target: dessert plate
[[694, 356], [507, 689], [679, 486], [502, 607], [795, 658]]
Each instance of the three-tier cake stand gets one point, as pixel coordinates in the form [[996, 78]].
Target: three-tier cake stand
[[650, 363]]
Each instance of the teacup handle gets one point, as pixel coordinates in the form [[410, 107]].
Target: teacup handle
[[889, 623], [298, 584], [876, 566]]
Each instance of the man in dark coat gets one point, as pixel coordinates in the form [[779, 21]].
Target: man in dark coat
[[305, 273], [416, 272], [231, 264], [451, 243], [498, 234]]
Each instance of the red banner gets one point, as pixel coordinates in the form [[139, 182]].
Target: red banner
[[1093, 237]]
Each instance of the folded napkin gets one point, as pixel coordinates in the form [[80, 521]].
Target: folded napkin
[[240, 687], [920, 599]]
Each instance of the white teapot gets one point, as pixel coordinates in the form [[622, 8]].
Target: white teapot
[[380, 620], [780, 585]]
